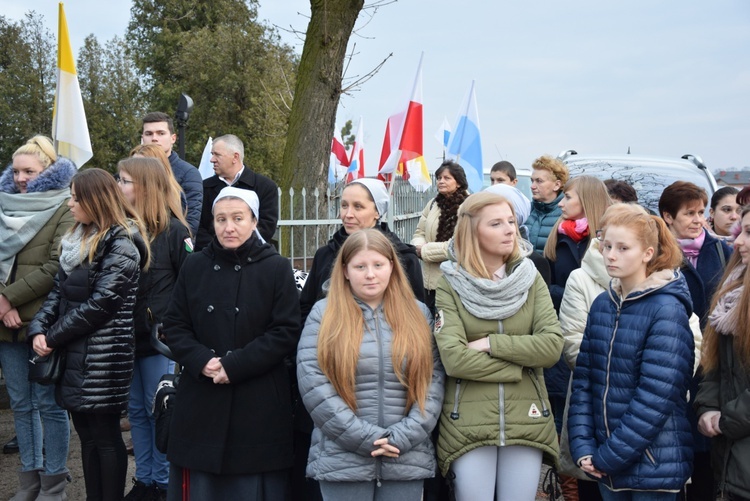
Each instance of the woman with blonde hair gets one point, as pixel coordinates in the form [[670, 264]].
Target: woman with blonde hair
[[147, 187], [627, 422], [496, 329], [175, 190], [34, 190], [722, 403], [370, 377], [89, 314]]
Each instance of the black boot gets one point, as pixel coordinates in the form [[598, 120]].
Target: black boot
[[11, 447]]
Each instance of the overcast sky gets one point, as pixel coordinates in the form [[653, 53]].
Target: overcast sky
[[664, 77]]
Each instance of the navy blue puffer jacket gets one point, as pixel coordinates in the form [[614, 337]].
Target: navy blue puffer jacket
[[628, 405]]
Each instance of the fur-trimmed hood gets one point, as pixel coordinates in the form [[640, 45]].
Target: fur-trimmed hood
[[55, 177]]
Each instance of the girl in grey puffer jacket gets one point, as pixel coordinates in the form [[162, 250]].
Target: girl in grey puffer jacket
[[372, 422]]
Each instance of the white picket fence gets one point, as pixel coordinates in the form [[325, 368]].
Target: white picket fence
[[303, 233]]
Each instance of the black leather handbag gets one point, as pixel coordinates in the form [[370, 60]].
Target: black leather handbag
[[49, 369]]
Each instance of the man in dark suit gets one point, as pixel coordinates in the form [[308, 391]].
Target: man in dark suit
[[227, 157]]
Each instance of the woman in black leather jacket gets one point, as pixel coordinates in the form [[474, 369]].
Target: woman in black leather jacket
[[89, 314]]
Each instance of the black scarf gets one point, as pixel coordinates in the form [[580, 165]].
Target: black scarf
[[448, 206]]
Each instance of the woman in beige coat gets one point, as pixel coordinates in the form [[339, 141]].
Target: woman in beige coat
[[437, 223]]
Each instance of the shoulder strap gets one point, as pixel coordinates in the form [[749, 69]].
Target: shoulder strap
[[722, 257]]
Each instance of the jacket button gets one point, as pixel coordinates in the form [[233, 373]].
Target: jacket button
[[236, 310], [249, 260], [237, 267], [210, 308], [217, 267]]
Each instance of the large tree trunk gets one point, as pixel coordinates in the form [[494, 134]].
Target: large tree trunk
[[317, 93]]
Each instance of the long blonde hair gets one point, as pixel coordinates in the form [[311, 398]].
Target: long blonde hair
[[154, 151], [97, 193], [155, 200], [465, 240], [342, 326], [741, 336], [594, 197]]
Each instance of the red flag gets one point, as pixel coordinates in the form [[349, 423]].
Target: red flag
[[402, 150]]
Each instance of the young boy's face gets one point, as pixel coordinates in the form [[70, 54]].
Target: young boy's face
[[500, 177]]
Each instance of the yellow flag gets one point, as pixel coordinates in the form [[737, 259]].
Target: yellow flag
[[69, 128]]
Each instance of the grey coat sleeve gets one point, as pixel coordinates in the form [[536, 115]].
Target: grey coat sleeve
[[329, 412]]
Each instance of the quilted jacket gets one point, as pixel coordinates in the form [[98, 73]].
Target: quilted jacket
[[342, 439], [89, 313], [541, 220], [628, 405]]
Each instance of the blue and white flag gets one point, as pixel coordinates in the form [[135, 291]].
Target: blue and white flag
[[443, 134], [466, 142]]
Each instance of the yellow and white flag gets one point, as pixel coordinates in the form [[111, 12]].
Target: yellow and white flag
[[69, 128]]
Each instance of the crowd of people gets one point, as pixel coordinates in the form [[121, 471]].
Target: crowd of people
[[574, 329]]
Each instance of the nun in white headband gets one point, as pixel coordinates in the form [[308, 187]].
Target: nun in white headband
[[232, 321], [233, 230], [364, 204]]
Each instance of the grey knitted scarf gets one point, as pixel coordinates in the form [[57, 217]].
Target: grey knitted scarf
[[74, 249], [22, 216], [488, 299]]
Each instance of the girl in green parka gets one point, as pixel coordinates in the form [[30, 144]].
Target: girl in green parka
[[496, 330]]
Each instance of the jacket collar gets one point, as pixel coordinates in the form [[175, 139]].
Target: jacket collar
[[55, 177], [593, 264], [547, 207], [251, 250]]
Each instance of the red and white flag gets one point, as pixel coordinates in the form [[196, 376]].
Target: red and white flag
[[402, 150]]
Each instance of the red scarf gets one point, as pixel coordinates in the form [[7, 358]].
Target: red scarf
[[577, 229]]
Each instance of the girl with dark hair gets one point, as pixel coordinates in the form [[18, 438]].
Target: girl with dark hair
[[723, 401], [89, 314], [146, 185], [369, 333], [34, 191], [627, 421], [724, 212], [437, 223]]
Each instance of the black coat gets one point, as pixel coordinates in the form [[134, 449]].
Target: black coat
[[168, 251], [240, 306], [320, 271], [268, 196], [89, 314], [706, 277]]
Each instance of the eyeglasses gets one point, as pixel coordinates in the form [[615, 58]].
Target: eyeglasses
[[600, 235], [123, 182]]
